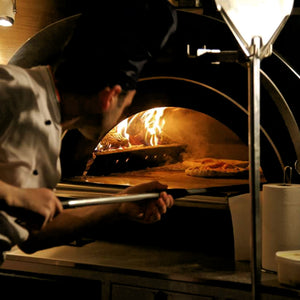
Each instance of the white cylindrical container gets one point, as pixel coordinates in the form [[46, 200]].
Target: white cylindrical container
[[289, 267], [280, 221]]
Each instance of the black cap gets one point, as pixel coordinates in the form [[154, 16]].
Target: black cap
[[112, 43]]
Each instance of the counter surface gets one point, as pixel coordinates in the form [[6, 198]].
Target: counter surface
[[102, 256], [136, 259]]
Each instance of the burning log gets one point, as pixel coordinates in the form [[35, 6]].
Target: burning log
[[114, 140]]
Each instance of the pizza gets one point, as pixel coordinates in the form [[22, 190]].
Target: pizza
[[214, 167]]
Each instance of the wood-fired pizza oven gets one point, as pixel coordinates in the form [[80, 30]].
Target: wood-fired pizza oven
[[205, 99]]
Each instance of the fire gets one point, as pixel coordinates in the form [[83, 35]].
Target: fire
[[121, 128], [145, 128], [154, 122]]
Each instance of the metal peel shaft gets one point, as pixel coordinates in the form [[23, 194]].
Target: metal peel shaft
[[176, 193], [108, 200]]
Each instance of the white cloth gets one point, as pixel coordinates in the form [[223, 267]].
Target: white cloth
[[30, 135], [29, 148]]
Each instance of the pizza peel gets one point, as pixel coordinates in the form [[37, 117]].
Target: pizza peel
[[176, 193]]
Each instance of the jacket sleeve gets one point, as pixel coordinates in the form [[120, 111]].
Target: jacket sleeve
[[11, 234]]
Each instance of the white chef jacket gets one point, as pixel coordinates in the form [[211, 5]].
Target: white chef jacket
[[30, 133]]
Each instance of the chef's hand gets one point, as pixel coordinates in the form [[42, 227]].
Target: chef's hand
[[147, 211], [33, 207]]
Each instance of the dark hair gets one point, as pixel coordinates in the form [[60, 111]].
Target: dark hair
[[112, 43]]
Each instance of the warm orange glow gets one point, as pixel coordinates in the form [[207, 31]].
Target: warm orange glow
[[144, 128]]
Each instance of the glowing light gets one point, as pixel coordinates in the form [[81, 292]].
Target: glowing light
[[5, 22], [255, 18], [7, 12]]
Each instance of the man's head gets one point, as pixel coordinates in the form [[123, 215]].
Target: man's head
[[106, 54], [94, 114]]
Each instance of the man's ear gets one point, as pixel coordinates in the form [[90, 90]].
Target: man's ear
[[107, 96]]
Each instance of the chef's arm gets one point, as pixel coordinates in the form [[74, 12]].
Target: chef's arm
[[75, 223], [4, 194], [37, 206], [70, 225]]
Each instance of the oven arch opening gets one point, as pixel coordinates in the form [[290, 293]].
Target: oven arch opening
[[182, 92], [164, 136]]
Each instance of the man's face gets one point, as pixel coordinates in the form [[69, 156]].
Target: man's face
[[95, 126]]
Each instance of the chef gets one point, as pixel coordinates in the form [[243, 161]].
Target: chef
[[40, 103]]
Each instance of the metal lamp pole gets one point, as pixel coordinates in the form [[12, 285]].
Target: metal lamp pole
[[255, 25], [254, 157]]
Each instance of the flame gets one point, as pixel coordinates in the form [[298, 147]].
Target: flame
[[144, 128], [153, 124], [121, 128]]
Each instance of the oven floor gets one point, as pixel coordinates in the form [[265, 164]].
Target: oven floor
[[174, 179]]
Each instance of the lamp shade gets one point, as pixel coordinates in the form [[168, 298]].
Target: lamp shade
[[7, 12], [255, 18]]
